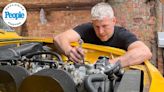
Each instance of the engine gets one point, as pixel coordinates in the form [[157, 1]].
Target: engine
[[34, 66]]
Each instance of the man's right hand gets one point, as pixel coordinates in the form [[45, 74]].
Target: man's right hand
[[76, 54]]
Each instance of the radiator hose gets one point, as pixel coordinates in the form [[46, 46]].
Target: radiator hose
[[97, 83]]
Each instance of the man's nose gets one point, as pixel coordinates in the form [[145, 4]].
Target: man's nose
[[101, 30]]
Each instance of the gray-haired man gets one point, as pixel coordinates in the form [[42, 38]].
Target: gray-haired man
[[102, 31]]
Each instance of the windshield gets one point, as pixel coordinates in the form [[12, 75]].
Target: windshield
[[4, 26]]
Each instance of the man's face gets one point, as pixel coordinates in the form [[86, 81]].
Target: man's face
[[104, 28]]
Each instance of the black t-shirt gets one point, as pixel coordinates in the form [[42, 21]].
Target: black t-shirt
[[121, 38]]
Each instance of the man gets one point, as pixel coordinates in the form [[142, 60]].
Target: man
[[102, 31]]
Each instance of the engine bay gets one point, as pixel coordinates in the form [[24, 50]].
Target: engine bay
[[35, 67]]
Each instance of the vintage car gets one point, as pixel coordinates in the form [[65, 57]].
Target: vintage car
[[33, 65]]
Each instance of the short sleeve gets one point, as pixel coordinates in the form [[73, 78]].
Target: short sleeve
[[83, 29], [86, 32], [127, 37]]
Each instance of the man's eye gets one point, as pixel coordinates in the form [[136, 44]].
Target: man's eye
[[97, 27], [104, 26]]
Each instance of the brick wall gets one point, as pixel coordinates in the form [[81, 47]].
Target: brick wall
[[144, 18], [136, 15], [57, 22]]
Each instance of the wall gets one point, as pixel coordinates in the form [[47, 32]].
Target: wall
[[144, 18]]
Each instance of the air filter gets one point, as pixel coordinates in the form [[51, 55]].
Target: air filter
[[11, 78], [48, 80]]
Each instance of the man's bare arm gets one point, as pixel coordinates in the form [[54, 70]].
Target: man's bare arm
[[137, 53], [63, 40], [62, 43]]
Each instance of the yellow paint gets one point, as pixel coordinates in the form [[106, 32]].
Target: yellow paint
[[157, 80], [8, 35], [92, 52], [24, 40], [153, 80]]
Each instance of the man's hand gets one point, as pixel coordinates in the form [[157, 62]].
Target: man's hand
[[112, 68], [76, 55]]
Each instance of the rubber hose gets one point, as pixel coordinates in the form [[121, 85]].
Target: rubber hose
[[93, 78]]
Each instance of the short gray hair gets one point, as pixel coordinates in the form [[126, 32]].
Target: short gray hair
[[101, 10]]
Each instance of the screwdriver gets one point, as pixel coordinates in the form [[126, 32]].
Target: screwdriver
[[80, 46]]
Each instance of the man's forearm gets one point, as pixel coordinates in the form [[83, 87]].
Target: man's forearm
[[133, 57], [62, 45]]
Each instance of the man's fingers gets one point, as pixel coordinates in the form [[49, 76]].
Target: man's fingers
[[73, 57], [76, 54], [81, 52]]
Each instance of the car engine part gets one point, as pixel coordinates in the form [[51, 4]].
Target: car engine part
[[44, 70]]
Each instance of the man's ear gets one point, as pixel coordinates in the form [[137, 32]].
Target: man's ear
[[114, 20]]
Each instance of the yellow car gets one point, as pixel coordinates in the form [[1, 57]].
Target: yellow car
[[33, 65]]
